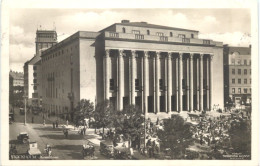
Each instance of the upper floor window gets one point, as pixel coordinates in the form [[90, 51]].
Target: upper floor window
[[34, 81], [192, 35], [233, 71], [239, 81], [123, 30], [136, 32], [170, 34], [232, 61], [245, 62], [233, 81], [181, 35], [159, 33], [233, 90], [239, 90], [34, 67], [239, 71], [245, 81], [245, 71], [148, 32], [239, 62], [34, 74], [245, 90]]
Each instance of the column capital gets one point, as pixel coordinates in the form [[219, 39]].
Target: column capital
[[191, 56], [201, 55], [180, 55], [157, 54], [146, 54], [107, 53], [169, 54], [133, 53], [121, 52], [211, 56]]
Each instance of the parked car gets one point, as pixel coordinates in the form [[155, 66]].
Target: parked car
[[23, 137]]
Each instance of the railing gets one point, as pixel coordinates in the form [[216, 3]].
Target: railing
[[206, 42], [139, 37], [163, 38], [185, 40], [113, 34]]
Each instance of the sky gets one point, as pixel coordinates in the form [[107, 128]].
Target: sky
[[230, 26]]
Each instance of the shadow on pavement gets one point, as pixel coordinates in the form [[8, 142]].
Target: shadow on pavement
[[48, 129], [74, 151], [61, 136]]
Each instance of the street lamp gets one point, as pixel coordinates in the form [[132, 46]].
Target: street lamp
[[25, 107]]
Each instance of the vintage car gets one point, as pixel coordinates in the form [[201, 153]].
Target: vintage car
[[122, 153], [107, 148], [33, 150], [23, 137], [88, 150]]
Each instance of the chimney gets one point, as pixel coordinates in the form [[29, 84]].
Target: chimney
[[125, 21]]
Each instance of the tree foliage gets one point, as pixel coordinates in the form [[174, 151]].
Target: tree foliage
[[176, 135], [84, 109], [240, 136]]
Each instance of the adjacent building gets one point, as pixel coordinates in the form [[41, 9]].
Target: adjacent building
[[237, 78], [16, 87], [32, 68], [158, 68]]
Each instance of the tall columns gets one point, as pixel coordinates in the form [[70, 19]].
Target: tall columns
[[106, 74], [188, 84], [191, 82], [201, 82], [207, 82], [157, 106], [120, 80], [210, 81], [169, 82], [132, 71], [177, 83], [180, 74], [145, 81]]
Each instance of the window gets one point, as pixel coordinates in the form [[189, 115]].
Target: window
[[233, 71], [34, 74], [137, 88], [239, 81], [245, 62], [192, 35], [239, 90], [233, 81], [232, 61], [148, 32], [161, 84], [34, 81], [245, 81], [34, 67], [239, 61], [136, 32], [249, 90], [206, 42], [159, 33], [245, 90], [181, 35], [233, 90], [170, 34], [245, 71], [239, 71], [123, 30], [111, 85], [34, 87]]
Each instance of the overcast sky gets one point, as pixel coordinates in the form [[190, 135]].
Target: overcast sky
[[231, 26]]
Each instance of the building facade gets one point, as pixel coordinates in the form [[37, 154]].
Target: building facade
[[16, 88], [32, 68], [237, 81], [160, 69]]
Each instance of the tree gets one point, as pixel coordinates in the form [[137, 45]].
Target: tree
[[240, 136], [176, 135], [129, 122], [84, 109], [104, 114]]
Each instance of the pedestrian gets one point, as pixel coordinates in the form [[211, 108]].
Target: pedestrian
[[56, 124], [67, 122], [53, 125], [84, 130], [43, 122]]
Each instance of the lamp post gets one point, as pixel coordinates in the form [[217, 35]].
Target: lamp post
[[25, 108]]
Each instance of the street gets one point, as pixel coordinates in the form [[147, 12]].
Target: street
[[63, 148]]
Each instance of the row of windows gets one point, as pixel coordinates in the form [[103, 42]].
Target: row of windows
[[239, 81], [45, 36], [239, 90], [61, 52], [158, 33], [239, 71], [239, 62]]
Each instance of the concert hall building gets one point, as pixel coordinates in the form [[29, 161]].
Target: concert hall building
[[161, 69]]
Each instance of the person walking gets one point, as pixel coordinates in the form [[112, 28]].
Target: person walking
[[84, 130], [53, 125], [57, 124]]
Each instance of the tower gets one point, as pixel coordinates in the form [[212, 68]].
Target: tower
[[45, 39]]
